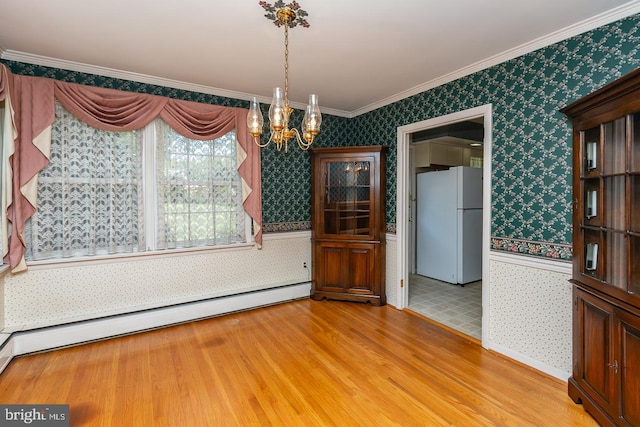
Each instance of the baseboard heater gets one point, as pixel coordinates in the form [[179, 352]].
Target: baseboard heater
[[64, 335]]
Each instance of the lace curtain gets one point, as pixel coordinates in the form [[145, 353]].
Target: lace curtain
[[90, 194], [199, 190]]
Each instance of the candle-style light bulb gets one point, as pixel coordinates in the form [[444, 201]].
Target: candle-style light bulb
[[312, 117], [277, 110], [255, 121]]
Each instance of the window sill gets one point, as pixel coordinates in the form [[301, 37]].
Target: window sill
[[4, 269], [115, 258]]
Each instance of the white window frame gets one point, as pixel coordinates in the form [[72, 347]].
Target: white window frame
[[150, 212]]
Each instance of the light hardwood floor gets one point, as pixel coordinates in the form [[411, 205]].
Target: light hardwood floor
[[302, 363]]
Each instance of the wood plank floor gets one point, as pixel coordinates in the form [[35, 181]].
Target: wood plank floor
[[302, 363]]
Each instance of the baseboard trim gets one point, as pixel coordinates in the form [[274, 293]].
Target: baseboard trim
[[59, 336], [530, 362]]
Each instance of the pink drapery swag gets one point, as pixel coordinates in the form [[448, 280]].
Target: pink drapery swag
[[32, 100]]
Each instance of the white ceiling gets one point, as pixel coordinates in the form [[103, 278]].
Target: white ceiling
[[357, 54]]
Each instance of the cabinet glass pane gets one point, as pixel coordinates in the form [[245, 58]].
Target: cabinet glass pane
[[346, 204], [635, 204], [591, 150], [591, 202], [614, 202], [635, 144], [634, 279], [614, 147], [591, 253], [616, 260]]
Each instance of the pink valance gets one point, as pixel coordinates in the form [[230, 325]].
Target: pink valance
[[119, 111], [200, 121], [109, 109], [32, 99]]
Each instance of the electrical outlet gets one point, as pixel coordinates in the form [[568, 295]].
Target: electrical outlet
[[304, 265]]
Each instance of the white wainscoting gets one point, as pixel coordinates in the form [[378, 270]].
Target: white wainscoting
[[391, 269], [56, 293], [531, 312]]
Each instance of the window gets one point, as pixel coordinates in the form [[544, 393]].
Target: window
[[124, 192], [199, 190]]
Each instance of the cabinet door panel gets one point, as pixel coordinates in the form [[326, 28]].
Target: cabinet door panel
[[629, 368], [361, 264], [595, 320], [331, 266]]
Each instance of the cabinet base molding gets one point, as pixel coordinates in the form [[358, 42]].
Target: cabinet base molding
[[340, 296], [578, 396]]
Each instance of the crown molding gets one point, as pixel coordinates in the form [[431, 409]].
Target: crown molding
[[28, 58], [608, 17]]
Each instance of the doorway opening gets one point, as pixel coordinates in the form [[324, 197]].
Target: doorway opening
[[445, 196], [447, 140]]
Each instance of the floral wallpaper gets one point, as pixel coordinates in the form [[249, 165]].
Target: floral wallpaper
[[532, 155]]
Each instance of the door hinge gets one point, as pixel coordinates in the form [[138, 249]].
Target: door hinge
[[402, 283]]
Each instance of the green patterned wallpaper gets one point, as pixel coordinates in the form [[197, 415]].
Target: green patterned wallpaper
[[532, 155], [531, 182]]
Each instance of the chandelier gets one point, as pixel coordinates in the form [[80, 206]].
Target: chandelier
[[289, 16]]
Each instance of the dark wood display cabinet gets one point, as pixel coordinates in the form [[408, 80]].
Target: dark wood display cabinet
[[606, 252], [348, 223]]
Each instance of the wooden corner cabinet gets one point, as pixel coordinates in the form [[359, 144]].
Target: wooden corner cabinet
[[348, 223], [606, 252]]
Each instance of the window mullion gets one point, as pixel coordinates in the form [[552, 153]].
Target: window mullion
[[150, 199]]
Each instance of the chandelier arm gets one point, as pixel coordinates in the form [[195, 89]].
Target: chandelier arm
[[307, 143], [302, 141], [278, 139], [256, 139], [297, 134], [274, 137]]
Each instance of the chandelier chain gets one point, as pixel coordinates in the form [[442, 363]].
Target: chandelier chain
[[286, 64]]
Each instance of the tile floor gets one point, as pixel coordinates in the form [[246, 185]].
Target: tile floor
[[459, 307]]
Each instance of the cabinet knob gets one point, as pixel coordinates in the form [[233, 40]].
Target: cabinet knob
[[614, 366]]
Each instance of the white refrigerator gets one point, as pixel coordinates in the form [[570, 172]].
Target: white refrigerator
[[449, 225]]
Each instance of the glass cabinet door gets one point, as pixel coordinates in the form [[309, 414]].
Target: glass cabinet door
[[610, 218], [634, 207], [347, 196]]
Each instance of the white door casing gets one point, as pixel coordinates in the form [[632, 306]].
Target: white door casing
[[404, 174]]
